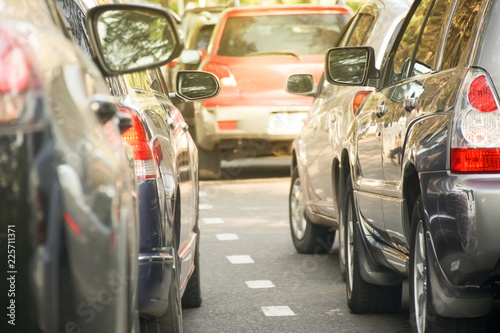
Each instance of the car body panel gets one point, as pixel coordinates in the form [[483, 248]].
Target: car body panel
[[413, 159], [318, 148], [67, 189], [168, 202]]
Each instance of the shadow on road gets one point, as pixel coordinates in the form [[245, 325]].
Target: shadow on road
[[266, 167]]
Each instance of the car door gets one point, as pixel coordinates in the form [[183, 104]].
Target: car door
[[381, 129], [410, 65]]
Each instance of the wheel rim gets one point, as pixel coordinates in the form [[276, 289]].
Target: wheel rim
[[420, 279], [349, 246], [298, 219], [342, 243]]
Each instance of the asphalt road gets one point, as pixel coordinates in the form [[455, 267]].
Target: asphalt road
[[252, 278]]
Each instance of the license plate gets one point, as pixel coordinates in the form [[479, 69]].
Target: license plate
[[286, 122]]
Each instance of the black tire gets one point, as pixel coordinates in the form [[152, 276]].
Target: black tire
[[307, 237], [209, 164], [423, 317], [364, 297], [192, 294]]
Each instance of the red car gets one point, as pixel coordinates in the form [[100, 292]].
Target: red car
[[252, 51]]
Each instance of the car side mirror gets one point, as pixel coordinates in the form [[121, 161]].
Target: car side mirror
[[129, 38], [197, 85], [301, 84], [352, 66], [190, 57]]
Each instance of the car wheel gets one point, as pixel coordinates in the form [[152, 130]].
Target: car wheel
[[192, 294], [307, 237], [209, 164], [364, 297], [423, 318]]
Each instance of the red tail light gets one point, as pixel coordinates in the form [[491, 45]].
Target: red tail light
[[475, 140], [223, 72], [480, 95], [15, 75], [145, 165], [359, 98]]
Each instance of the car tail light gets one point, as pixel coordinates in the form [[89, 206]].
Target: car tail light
[[223, 72], [475, 141], [359, 98], [15, 78], [145, 165]]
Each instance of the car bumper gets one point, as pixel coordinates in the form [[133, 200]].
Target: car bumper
[[155, 253], [463, 242], [230, 124]]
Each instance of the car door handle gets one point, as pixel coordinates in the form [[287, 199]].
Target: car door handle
[[381, 110], [411, 103]]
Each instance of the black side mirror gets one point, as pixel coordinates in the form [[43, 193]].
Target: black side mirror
[[197, 85], [301, 84], [129, 38], [353, 66]]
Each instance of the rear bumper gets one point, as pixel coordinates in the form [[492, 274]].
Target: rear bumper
[[267, 124], [464, 251]]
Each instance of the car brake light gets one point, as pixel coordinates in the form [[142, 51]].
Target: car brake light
[[475, 140], [480, 95], [223, 72], [16, 73], [359, 98], [145, 165]]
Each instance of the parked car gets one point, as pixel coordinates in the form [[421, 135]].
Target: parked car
[[165, 156], [314, 204], [422, 172], [68, 215], [196, 28], [252, 51]]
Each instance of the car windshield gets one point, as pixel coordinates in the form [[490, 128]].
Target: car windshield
[[299, 35]]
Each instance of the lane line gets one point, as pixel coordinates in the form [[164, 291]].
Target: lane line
[[215, 220], [227, 237], [257, 284], [242, 259], [205, 206], [277, 311]]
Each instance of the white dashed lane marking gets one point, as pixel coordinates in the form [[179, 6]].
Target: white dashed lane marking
[[277, 311], [205, 206], [259, 284], [215, 220], [243, 259], [226, 237]]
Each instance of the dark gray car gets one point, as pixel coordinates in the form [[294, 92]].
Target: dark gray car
[[421, 168]]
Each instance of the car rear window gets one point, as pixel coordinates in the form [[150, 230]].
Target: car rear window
[[304, 34]]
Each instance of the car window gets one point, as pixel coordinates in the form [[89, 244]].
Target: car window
[[403, 56], [425, 59], [203, 37], [361, 30], [460, 32], [304, 34]]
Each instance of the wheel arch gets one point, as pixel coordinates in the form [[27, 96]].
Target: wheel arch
[[411, 192]]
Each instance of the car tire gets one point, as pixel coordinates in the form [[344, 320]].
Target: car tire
[[345, 216], [192, 294], [209, 164], [307, 237], [364, 297], [423, 317]]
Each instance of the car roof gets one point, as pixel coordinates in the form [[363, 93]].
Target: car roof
[[285, 9]]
